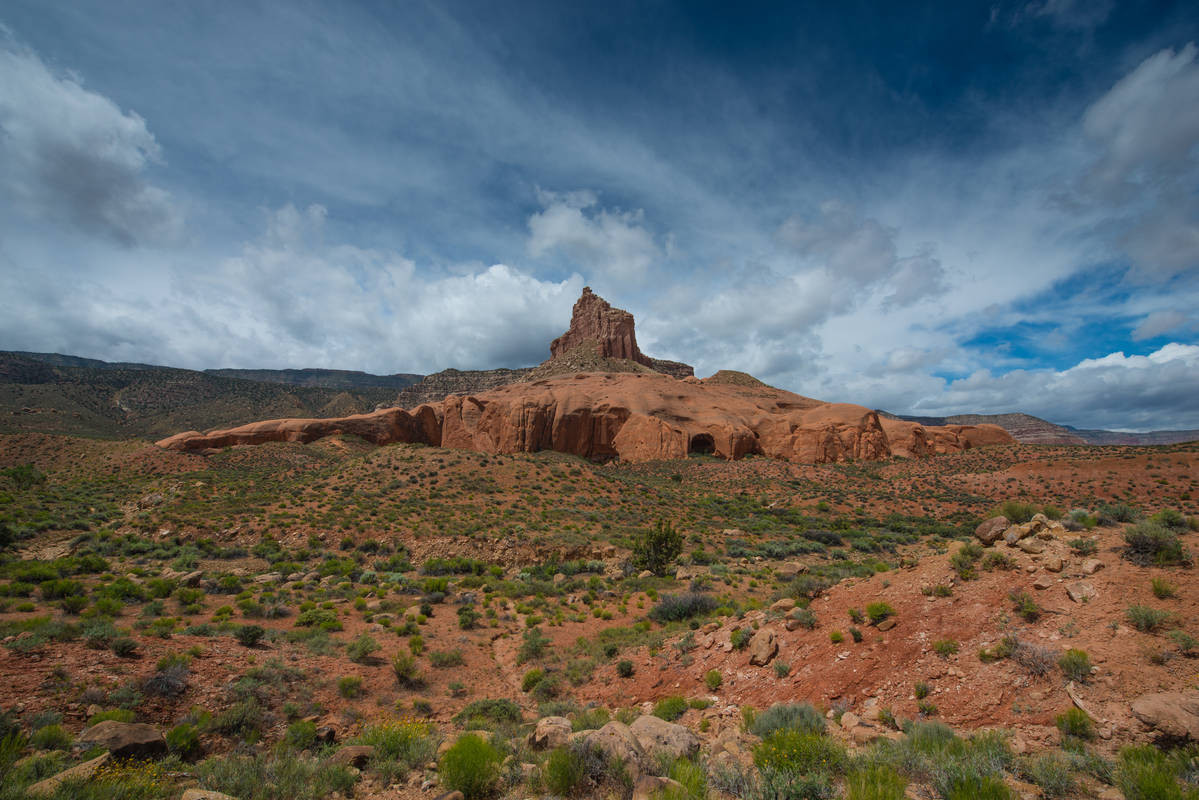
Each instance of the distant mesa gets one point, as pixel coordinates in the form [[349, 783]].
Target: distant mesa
[[598, 396]]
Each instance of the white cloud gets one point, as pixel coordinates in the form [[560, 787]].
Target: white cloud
[[611, 244], [71, 154]]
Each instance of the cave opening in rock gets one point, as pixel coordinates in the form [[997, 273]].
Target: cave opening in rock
[[702, 444]]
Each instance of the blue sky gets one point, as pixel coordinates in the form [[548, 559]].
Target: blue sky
[[928, 208]]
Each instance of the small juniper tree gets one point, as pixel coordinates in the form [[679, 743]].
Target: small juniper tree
[[657, 548]]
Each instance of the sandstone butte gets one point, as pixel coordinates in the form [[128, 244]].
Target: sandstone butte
[[631, 417], [647, 409]]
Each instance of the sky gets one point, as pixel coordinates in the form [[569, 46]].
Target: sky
[[929, 208]]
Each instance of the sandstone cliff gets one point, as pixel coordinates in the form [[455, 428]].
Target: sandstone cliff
[[631, 417]]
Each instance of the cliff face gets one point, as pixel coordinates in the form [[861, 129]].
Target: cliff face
[[628, 416], [594, 319]]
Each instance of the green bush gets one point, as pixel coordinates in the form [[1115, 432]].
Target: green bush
[[1025, 605], [489, 714], [446, 658], [674, 607], [349, 686], [879, 611], [361, 647], [300, 734], [184, 741], [124, 646], [624, 668], [1075, 665], [470, 766], [1077, 723], [875, 782], [801, 717], [51, 737], [1015, 511], [713, 679], [1146, 773], [657, 548], [400, 746], [740, 638], [249, 635], [1163, 589], [563, 772], [805, 618], [670, 708], [1148, 542], [1051, 772], [945, 647], [533, 645], [792, 750], [534, 677], [1147, 619], [276, 775], [407, 673], [116, 714]]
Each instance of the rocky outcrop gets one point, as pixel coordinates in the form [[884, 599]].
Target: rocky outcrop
[[630, 416], [618, 743], [763, 647], [594, 318], [550, 732], [79, 772], [434, 388], [1171, 715], [658, 737], [991, 531], [125, 739]]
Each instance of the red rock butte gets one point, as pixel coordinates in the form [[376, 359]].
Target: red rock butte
[[633, 415]]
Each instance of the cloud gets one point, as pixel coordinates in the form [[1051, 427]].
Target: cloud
[[70, 154], [613, 244], [290, 297], [1160, 322], [1146, 132]]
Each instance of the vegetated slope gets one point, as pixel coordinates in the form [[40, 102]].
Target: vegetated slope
[[115, 401], [324, 378], [1034, 430]]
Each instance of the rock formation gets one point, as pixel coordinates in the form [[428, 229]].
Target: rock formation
[[594, 318], [626, 416]]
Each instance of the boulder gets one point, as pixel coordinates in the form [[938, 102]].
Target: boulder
[[783, 606], [550, 732], [125, 739], [1031, 546], [651, 786], [1091, 565], [763, 647], [618, 743], [1043, 582], [1054, 564], [887, 624], [790, 569], [992, 530], [352, 755], [658, 736], [47, 787], [1171, 715], [1080, 591], [1015, 533]]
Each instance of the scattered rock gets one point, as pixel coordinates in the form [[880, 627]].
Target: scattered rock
[[992, 530], [850, 720], [763, 647], [887, 624], [1044, 582], [1172, 715], [125, 739], [1031, 546], [353, 755], [1054, 564], [205, 794], [783, 606], [87, 769], [550, 732], [616, 741], [1081, 591], [657, 736], [1091, 565], [652, 786]]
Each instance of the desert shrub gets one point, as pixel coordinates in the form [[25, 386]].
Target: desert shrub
[[400, 746], [446, 658], [782, 668], [361, 647], [673, 607], [1111, 513], [992, 560], [836, 637], [407, 673], [115, 714], [1015, 511], [1163, 589], [488, 714], [657, 548], [590, 719], [693, 779], [184, 740], [168, 681], [1084, 547], [123, 646], [349, 686], [300, 734], [532, 646], [855, 615], [563, 772], [807, 587], [275, 775], [321, 618], [1035, 658], [249, 635], [805, 618], [1148, 542], [713, 679], [51, 737], [470, 766], [1171, 519], [921, 690], [468, 617], [740, 638], [791, 750], [945, 647], [855, 633], [1186, 644], [624, 668], [802, 717], [1146, 773], [879, 611], [1077, 723], [1147, 619], [670, 708], [241, 717], [875, 782], [1051, 772], [1025, 606], [1075, 665]]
